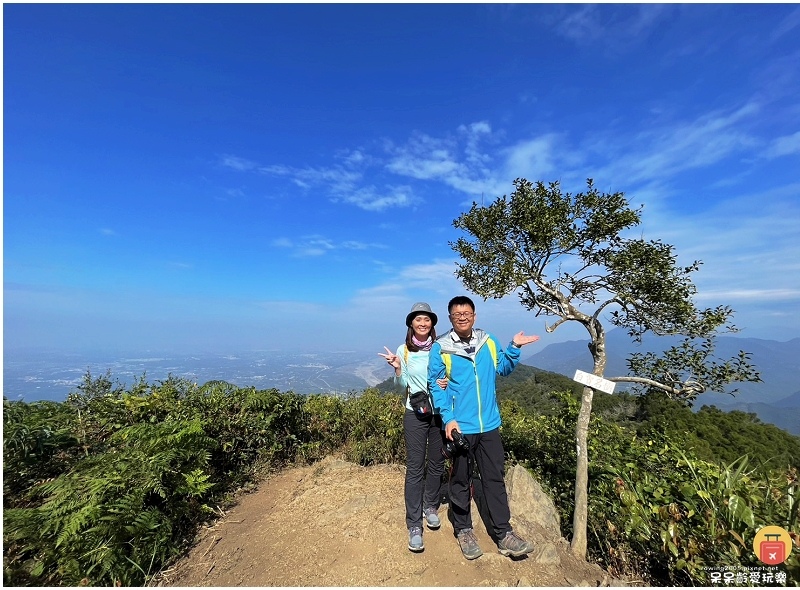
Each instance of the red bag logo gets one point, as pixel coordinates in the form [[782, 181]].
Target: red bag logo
[[772, 551], [772, 545]]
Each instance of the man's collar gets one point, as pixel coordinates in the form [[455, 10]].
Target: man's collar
[[456, 338]]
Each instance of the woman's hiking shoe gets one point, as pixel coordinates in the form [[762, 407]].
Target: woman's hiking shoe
[[469, 544], [415, 538], [432, 517], [514, 545]]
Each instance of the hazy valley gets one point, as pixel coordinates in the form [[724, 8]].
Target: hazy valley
[[32, 375]]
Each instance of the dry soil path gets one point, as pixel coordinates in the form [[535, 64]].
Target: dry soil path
[[337, 524]]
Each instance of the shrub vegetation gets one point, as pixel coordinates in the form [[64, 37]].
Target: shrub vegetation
[[109, 487]]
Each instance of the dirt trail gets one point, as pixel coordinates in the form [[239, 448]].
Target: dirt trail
[[337, 524]]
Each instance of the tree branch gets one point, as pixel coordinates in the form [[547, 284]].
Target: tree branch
[[606, 304], [685, 389], [551, 329]]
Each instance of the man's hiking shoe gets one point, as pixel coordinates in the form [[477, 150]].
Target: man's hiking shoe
[[514, 545], [469, 544], [415, 538], [432, 518]]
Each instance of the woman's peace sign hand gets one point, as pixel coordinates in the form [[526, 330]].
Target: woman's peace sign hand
[[391, 358]]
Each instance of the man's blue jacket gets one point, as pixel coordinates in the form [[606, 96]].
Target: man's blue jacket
[[470, 397]]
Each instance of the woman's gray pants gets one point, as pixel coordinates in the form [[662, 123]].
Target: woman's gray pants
[[424, 439]]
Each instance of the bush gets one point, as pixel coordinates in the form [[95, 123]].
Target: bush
[[38, 444], [656, 512], [660, 513], [375, 428], [115, 518], [109, 486], [545, 444]]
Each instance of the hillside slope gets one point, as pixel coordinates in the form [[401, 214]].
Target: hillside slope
[[338, 524]]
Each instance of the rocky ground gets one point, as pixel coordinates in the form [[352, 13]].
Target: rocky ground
[[338, 524]]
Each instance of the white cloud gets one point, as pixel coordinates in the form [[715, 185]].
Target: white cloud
[[457, 160], [475, 129], [238, 163], [343, 183], [370, 198], [663, 152], [282, 243], [747, 241], [532, 158], [433, 282], [425, 158], [316, 245], [750, 255], [787, 24], [784, 146], [474, 162], [582, 25], [355, 158], [384, 306], [617, 26], [437, 276], [337, 179]]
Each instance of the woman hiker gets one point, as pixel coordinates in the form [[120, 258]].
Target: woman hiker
[[421, 426]]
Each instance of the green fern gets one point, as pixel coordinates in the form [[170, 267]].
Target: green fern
[[104, 515]]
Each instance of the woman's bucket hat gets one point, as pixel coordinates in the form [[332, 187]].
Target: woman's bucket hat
[[418, 308]]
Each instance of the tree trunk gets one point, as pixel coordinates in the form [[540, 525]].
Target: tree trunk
[[579, 518]]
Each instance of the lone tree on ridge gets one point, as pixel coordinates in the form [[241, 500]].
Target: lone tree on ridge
[[565, 256]]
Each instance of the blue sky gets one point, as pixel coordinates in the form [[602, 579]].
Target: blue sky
[[234, 177]]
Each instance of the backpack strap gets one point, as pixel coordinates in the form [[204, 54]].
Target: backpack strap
[[405, 359], [448, 361], [492, 349]]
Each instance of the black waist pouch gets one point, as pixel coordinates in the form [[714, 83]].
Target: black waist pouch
[[421, 403]]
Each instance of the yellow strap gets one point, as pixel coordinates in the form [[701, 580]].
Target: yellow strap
[[448, 362], [493, 349]]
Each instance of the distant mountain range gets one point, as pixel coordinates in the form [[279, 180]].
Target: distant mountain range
[[36, 375], [776, 400]]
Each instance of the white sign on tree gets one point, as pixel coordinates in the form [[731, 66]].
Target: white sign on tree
[[594, 381]]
